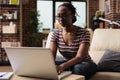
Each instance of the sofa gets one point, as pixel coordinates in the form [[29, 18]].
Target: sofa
[[101, 41]]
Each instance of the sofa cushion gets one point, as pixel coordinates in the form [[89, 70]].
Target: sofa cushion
[[105, 39], [110, 61], [106, 76], [96, 55], [48, 40]]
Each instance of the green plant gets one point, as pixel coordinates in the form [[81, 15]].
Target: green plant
[[33, 38], [95, 19], [34, 22]]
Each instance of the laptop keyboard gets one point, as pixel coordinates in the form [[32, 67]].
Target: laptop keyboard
[[64, 74]]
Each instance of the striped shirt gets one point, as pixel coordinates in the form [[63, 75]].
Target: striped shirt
[[70, 51]]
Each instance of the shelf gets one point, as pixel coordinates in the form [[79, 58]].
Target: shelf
[[10, 17], [9, 33], [4, 44], [4, 63], [9, 5], [8, 20]]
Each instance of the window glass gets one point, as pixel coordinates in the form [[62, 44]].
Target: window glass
[[81, 13], [45, 9]]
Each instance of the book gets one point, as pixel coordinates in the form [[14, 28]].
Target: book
[[14, 2], [5, 75]]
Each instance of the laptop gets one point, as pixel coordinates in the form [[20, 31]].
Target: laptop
[[34, 62]]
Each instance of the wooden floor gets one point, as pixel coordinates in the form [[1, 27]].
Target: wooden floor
[[5, 68]]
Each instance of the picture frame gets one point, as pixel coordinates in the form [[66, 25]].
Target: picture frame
[[117, 6], [107, 7]]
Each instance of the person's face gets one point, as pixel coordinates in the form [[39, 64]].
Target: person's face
[[64, 16]]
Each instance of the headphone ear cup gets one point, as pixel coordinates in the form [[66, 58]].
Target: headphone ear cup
[[74, 19]]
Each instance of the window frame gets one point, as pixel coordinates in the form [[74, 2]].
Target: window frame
[[54, 1]]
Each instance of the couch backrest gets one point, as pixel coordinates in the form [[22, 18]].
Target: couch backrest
[[106, 39], [48, 40], [91, 33]]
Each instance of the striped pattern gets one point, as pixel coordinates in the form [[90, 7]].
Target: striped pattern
[[69, 51]]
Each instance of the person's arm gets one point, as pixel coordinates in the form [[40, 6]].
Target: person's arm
[[53, 47], [81, 54]]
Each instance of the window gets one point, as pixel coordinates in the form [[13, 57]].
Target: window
[[47, 10], [81, 11]]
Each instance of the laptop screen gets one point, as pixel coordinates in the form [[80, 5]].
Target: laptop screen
[[32, 61]]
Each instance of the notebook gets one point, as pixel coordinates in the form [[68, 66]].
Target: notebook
[[33, 62], [5, 75]]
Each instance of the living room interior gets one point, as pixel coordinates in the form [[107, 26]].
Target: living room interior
[[22, 24]]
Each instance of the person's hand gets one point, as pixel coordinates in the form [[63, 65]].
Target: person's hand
[[60, 69]]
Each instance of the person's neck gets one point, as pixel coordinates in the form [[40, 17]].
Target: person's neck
[[68, 29]]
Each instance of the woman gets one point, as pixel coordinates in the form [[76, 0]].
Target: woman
[[73, 43]]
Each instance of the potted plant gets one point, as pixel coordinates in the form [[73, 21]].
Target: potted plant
[[33, 36], [95, 20]]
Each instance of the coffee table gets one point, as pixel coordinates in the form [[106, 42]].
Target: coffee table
[[15, 77], [71, 77]]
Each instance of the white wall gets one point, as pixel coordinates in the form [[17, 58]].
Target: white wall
[[101, 5]]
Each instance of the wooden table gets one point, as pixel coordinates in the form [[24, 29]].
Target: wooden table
[[15, 77], [5, 69]]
